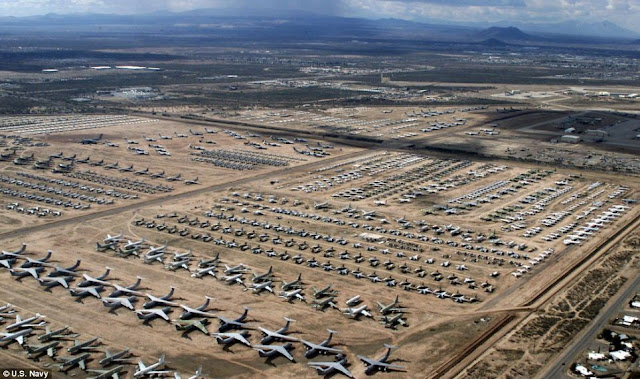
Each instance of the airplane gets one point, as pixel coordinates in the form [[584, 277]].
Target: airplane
[[50, 282], [188, 325], [24, 272], [321, 348], [36, 262], [380, 364], [142, 172], [199, 273], [106, 374], [89, 280], [38, 350], [180, 256], [324, 205], [69, 271], [134, 244], [353, 301], [157, 175], [18, 336], [237, 278], [69, 362], [117, 302], [174, 178], [328, 368], [150, 258], [91, 141], [294, 284], [197, 375], [107, 246], [326, 291], [210, 131], [292, 295], [86, 291], [149, 314], [173, 266], [210, 262], [87, 345], [112, 166], [230, 338], [148, 139], [26, 323], [120, 290], [279, 335], [164, 300], [227, 324], [235, 269], [391, 308], [393, 321], [199, 311], [195, 133], [271, 351], [14, 254], [126, 169], [7, 309], [119, 357], [357, 312], [56, 334], [259, 287], [151, 369], [192, 181], [262, 277], [322, 304]]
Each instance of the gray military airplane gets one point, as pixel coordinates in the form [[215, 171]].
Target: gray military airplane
[[18, 336], [30, 262], [324, 292], [279, 335], [231, 338], [20, 272], [390, 308], [236, 278], [192, 181], [89, 280], [112, 373], [130, 290], [50, 282], [91, 141], [91, 344], [380, 364], [118, 302], [34, 351], [292, 295], [237, 269], [107, 246], [119, 357], [228, 324], [330, 368], [162, 300], [198, 311], [272, 351], [149, 258], [159, 249], [149, 314], [258, 278], [81, 292], [69, 362], [294, 284], [61, 333], [321, 348], [61, 271], [26, 323], [322, 304], [393, 322], [151, 369], [176, 265], [14, 254]]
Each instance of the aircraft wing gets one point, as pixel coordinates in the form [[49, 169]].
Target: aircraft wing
[[141, 365], [20, 339], [333, 365], [284, 352], [82, 365], [201, 327], [389, 366], [368, 361]]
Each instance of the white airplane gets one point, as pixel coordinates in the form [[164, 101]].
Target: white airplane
[[199, 311], [154, 300], [17, 336], [259, 287], [20, 323], [357, 312], [235, 269], [237, 278], [226, 338], [292, 295], [199, 273], [353, 301], [151, 369], [109, 238]]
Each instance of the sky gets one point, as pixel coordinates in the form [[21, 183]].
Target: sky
[[622, 12]]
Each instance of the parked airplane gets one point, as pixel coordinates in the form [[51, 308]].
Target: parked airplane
[[34, 351], [81, 346], [390, 308], [321, 348], [279, 335], [189, 325], [56, 334], [292, 295], [119, 357], [26, 323], [198, 311], [162, 300], [149, 314], [89, 280], [69, 362], [151, 369], [112, 373], [329, 368], [230, 338], [91, 141], [228, 324], [130, 290], [117, 302], [17, 336], [294, 284], [271, 351], [380, 364]]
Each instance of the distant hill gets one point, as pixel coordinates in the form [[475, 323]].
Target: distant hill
[[503, 34]]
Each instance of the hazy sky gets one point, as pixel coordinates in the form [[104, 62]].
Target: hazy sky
[[623, 12]]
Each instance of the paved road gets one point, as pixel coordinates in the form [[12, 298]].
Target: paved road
[[563, 362]]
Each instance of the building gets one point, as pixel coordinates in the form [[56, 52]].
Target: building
[[570, 139]]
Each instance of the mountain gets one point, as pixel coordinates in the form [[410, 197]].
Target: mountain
[[603, 29], [503, 34]]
